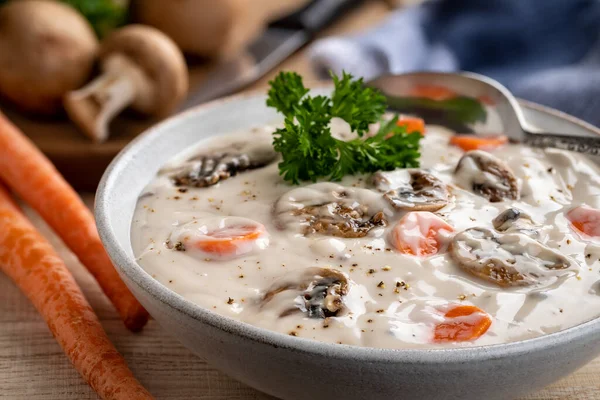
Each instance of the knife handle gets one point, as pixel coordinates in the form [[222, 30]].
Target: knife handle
[[316, 15]]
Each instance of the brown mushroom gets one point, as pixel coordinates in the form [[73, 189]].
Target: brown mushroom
[[208, 169], [513, 220], [46, 49], [412, 189], [510, 259], [141, 68], [487, 176], [330, 209], [320, 292], [209, 28]]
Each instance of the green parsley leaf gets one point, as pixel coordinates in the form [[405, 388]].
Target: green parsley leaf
[[103, 15], [308, 150], [355, 104], [286, 92]]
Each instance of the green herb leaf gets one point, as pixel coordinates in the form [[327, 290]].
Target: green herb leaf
[[310, 152], [355, 104], [286, 92], [104, 15]]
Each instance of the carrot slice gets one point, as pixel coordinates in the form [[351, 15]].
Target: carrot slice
[[432, 92], [420, 233], [35, 267], [463, 323], [412, 124], [229, 239], [487, 100], [471, 142], [586, 220], [33, 177]]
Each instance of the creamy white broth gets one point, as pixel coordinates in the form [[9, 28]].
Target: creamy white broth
[[379, 312]]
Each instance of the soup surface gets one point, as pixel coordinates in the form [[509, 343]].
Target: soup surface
[[472, 249]]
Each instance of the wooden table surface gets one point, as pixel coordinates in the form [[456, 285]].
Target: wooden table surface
[[32, 366]]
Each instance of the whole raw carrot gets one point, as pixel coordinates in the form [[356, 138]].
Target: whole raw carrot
[[31, 262], [33, 177]]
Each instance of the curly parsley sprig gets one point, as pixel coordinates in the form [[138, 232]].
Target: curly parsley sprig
[[308, 149]]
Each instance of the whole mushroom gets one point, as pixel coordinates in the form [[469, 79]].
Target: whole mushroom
[[141, 68], [46, 49], [208, 28]]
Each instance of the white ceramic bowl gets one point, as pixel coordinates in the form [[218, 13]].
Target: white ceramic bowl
[[296, 368]]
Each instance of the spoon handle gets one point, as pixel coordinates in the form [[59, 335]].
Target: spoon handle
[[580, 144]]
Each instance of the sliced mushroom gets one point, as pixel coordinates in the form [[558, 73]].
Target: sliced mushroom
[[412, 189], [514, 220], [487, 176], [510, 259], [319, 292], [595, 288], [208, 169], [331, 209]]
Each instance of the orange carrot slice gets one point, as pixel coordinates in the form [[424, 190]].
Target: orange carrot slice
[[432, 92], [420, 233], [487, 100], [412, 124], [472, 142], [230, 239], [33, 177], [31, 262], [463, 323], [586, 220]]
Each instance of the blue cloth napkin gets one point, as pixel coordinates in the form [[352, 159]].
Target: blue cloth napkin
[[547, 51]]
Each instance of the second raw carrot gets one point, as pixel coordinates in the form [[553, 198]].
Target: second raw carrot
[[31, 262]]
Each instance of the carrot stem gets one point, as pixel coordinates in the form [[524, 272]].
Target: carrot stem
[[33, 177], [31, 262]]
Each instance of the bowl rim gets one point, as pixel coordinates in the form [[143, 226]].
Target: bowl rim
[[136, 275]]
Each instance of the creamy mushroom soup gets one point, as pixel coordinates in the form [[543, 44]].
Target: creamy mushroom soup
[[472, 248]]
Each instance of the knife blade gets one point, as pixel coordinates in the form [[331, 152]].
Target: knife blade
[[281, 39]]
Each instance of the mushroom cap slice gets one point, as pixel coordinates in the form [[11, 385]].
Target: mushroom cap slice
[[331, 209], [319, 292], [513, 219], [207, 169], [412, 189], [510, 259], [159, 60], [47, 48], [487, 176]]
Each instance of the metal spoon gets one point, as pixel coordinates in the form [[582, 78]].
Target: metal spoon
[[472, 103]]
